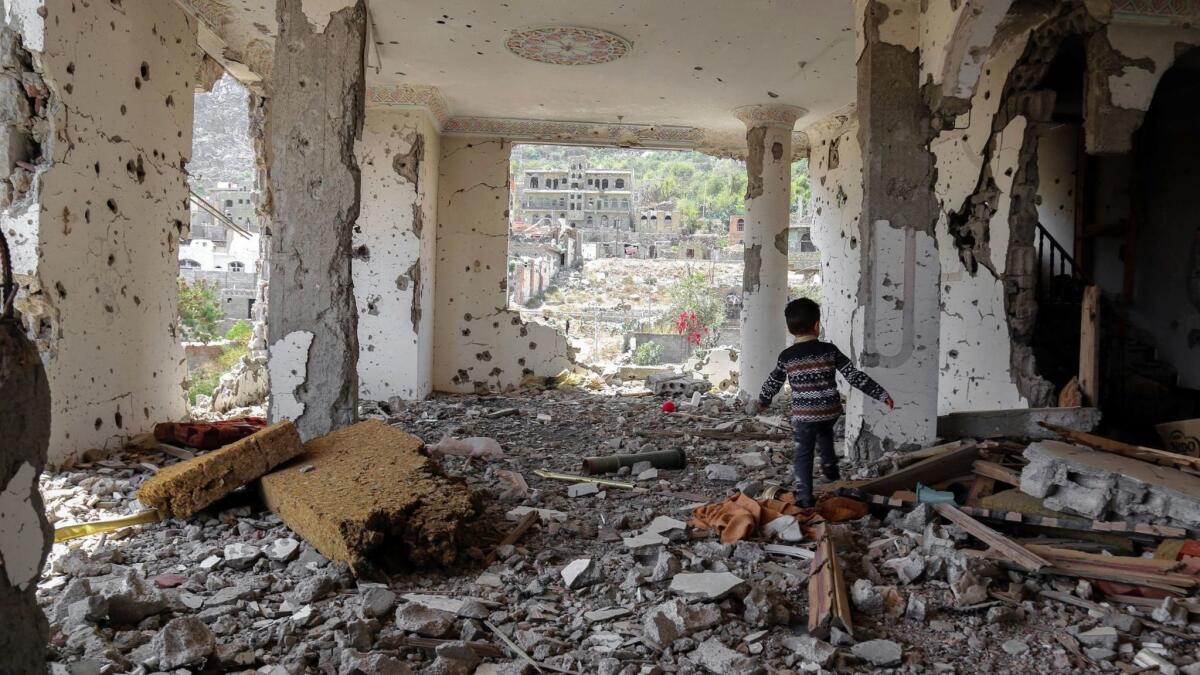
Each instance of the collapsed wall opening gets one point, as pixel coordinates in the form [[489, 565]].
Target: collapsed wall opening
[[222, 256], [637, 255]]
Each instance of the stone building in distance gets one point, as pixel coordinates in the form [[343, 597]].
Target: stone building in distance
[[578, 195]]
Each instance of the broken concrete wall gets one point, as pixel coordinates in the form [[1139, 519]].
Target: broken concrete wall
[[99, 207], [975, 355], [314, 115], [1125, 63], [25, 534], [479, 344], [394, 249]]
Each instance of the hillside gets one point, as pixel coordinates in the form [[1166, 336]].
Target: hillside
[[221, 150]]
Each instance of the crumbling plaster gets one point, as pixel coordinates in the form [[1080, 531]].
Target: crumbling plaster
[[479, 344], [97, 233], [314, 115], [393, 253], [25, 534]]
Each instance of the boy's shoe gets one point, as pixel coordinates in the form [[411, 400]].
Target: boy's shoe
[[806, 502], [831, 472]]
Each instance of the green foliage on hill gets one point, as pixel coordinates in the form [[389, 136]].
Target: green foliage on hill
[[706, 190]]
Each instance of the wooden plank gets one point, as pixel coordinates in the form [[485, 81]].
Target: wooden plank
[[514, 535], [1089, 347], [1011, 550], [982, 487], [997, 472], [928, 471], [1152, 455], [828, 601]]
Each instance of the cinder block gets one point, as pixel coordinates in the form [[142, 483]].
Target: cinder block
[[368, 490], [182, 489]]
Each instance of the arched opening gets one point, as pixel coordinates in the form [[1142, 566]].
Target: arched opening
[[620, 183], [533, 182]]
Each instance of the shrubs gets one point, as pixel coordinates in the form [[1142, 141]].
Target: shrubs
[[199, 310], [205, 379], [648, 354]]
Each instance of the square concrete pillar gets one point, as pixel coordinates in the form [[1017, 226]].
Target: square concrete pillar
[[314, 115], [896, 323]]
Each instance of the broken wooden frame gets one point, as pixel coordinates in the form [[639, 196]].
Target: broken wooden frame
[[828, 601], [1021, 556], [1151, 455]]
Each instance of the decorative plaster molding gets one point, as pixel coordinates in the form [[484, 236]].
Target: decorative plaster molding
[[577, 132], [1170, 9], [418, 95], [567, 45], [781, 116]]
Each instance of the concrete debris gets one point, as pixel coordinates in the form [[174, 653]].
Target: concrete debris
[[705, 585], [615, 586], [474, 448], [371, 491], [1108, 486], [582, 489], [667, 622], [878, 652], [1017, 423], [580, 573], [676, 385], [425, 621], [722, 472], [718, 658], [185, 641], [182, 489]]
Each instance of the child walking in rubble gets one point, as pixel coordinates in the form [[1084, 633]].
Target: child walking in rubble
[[809, 366]]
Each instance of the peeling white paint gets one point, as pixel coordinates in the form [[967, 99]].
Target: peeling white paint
[[20, 531], [478, 343], [395, 357], [287, 367], [100, 249], [1133, 88]]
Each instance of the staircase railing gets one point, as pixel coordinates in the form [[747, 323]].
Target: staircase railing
[[1061, 262]]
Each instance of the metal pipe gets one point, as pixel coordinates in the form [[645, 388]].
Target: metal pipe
[[68, 532], [662, 459], [572, 478]]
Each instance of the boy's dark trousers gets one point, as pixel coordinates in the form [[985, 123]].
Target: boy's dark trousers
[[809, 435]]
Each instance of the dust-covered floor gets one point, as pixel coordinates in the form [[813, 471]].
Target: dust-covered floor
[[234, 590]]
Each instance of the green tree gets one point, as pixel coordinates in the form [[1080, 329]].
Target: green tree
[[692, 296], [199, 310]]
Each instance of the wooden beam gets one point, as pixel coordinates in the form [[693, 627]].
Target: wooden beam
[[1089, 347], [928, 471], [1009, 549], [828, 601], [997, 472]]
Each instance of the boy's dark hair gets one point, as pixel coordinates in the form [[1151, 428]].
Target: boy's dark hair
[[801, 314]]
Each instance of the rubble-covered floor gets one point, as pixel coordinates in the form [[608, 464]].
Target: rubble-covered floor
[[234, 590]]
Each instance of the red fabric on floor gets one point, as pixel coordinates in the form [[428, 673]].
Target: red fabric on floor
[[208, 435]]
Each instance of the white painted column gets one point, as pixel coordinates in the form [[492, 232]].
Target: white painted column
[[764, 282]]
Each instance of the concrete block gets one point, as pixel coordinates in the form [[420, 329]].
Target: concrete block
[[182, 489], [1104, 485], [370, 490], [1016, 423]]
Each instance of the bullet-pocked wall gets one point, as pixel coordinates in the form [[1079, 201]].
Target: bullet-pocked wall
[[394, 251], [97, 205], [479, 344]]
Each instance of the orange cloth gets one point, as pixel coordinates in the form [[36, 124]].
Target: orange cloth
[[740, 516]]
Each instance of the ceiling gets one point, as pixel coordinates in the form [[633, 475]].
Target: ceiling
[[691, 63]]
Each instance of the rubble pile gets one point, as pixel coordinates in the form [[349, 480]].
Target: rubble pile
[[608, 572]]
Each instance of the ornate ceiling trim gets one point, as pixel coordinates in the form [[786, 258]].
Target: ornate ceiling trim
[[1168, 9], [415, 95], [577, 132]]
